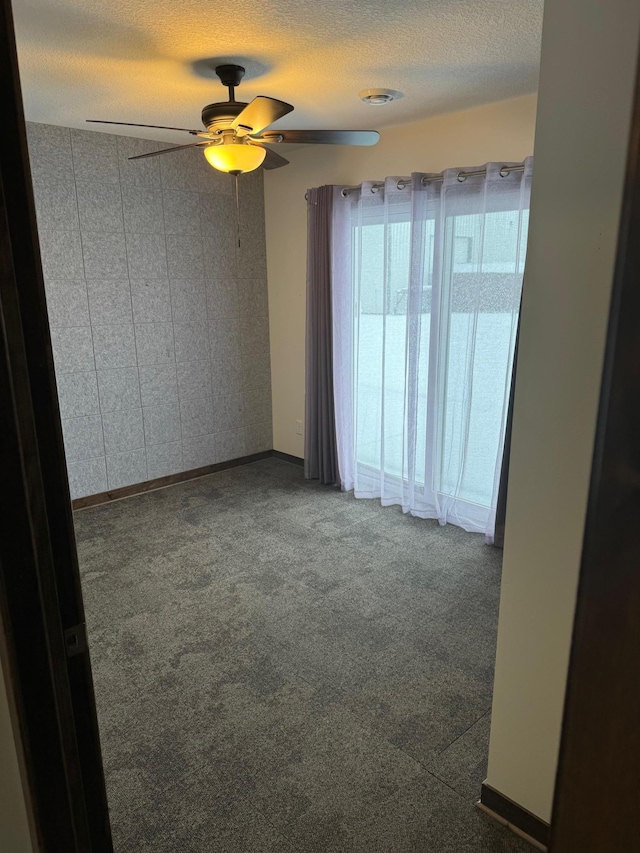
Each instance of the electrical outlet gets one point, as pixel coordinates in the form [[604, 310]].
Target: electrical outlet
[[298, 427]]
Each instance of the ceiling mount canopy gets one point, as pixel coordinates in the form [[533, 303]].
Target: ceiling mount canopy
[[230, 75], [233, 139]]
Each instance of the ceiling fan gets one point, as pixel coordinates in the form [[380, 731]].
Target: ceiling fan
[[235, 131]]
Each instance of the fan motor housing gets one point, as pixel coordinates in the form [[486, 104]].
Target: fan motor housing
[[216, 116]]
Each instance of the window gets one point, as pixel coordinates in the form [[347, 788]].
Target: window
[[435, 276]]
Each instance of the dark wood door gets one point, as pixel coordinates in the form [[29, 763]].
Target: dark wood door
[[41, 604]]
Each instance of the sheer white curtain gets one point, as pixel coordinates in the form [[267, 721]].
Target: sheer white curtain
[[427, 276]]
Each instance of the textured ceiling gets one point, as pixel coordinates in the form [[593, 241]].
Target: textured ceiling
[[147, 60]]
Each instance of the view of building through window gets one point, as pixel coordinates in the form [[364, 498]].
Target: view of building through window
[[453, 338]]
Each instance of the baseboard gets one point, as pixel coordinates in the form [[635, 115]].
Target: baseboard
[[287, 457], [170, 480], [517, 818]]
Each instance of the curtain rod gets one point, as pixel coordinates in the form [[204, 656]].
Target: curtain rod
[[429, 179]]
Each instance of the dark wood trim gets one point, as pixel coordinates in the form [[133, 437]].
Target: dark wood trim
[[169, 480], [515, 815], [287, 457], [40, 597], [598, 782], [182, 477]]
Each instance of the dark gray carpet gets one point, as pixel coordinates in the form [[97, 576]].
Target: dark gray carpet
[[280, 667]]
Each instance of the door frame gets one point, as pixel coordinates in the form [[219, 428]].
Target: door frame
[[598, 780], [42, 641], [43, 644]]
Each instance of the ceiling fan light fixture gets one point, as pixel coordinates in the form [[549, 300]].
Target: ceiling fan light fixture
[[233, 134], [235, 157]]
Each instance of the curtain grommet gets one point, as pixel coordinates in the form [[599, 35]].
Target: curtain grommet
[[504, 172], [374, 189], [462, 177], [344, 193], [401, 185]]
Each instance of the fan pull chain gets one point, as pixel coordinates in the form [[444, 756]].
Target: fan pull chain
[[237, 211]]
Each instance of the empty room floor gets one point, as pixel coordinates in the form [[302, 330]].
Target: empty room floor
[[281, 667]]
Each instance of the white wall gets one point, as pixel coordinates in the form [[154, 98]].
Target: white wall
[[589, 52], [14, 829], [502, 131]]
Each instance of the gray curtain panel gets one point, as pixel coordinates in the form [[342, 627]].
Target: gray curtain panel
[[320, 449], [501, 504]]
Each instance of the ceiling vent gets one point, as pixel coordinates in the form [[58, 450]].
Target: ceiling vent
[[377, 97]]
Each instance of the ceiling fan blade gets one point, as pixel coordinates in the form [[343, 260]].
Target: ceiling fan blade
[[155, 126], [260, 113], [320, 137], [169, 150], [273, 160]]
